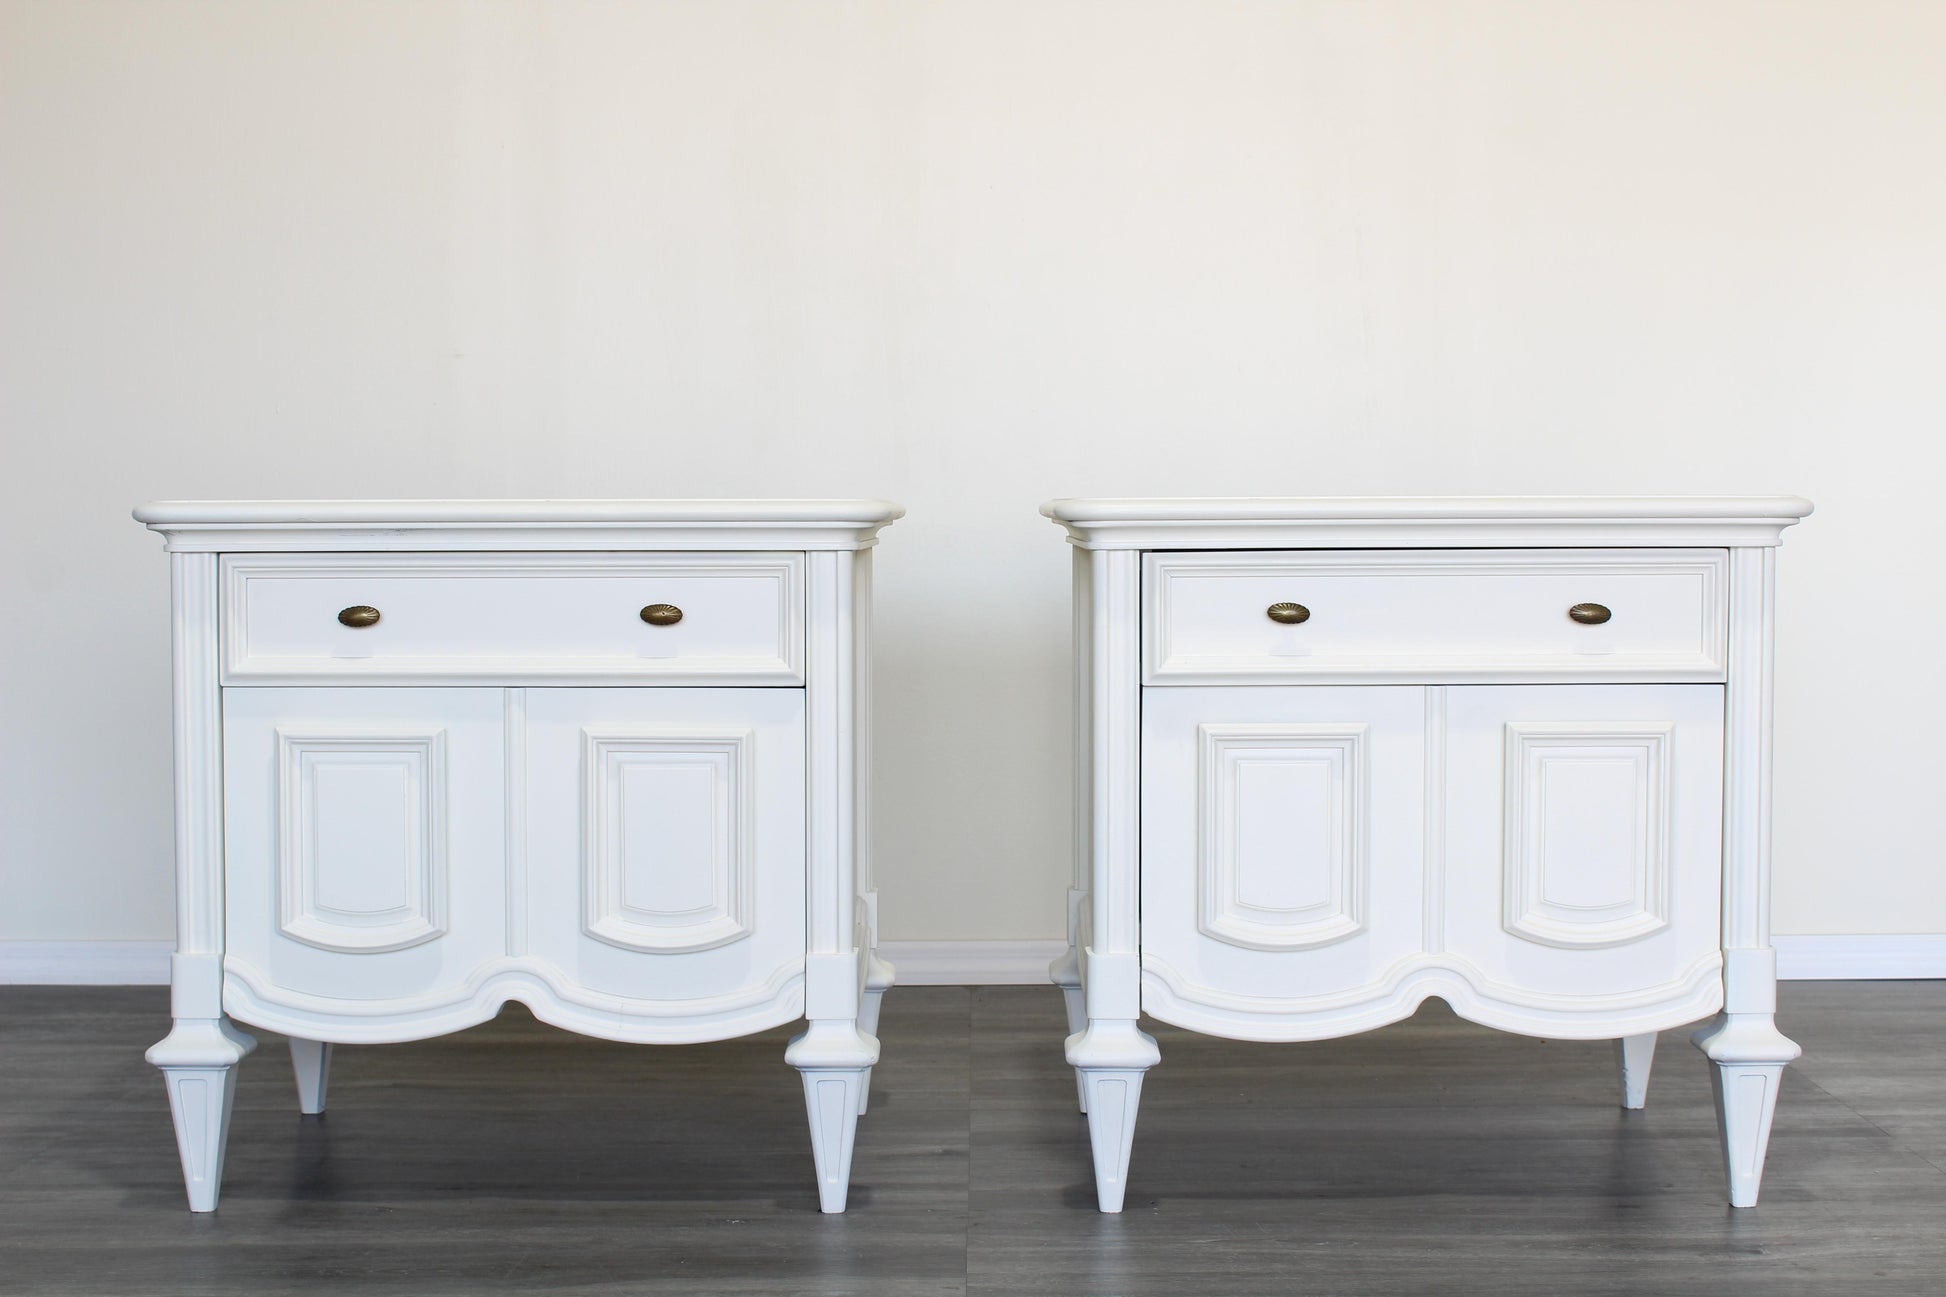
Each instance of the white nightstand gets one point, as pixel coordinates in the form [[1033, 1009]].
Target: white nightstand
[[1335, 756], [605, 758]]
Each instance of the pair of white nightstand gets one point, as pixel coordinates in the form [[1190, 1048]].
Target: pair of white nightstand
[[1333, 757]]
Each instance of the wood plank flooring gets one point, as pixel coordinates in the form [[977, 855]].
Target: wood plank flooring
[[1432, 1157]]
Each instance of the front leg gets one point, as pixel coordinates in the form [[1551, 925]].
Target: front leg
[[835, 1059], [1748, 1054], [198, 1059], [1111, 1057]]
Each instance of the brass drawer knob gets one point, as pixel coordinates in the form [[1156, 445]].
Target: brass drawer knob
[[359, 616], [1288, 614], [1590, 614], [662, 614]]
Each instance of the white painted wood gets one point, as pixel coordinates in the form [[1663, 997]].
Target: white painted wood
[[1748, 1056], [1424, 522], [1433, 616], [198, 1060], [387, 526], [1800, 957], [1634, 1057], [1587, 849], [834, 1099], [665, 857], [311, 1062], [1111, 1058], [1283, 845], [1317, 837], [361, 836], [668, 857], [1439, 785], [386, 834], [880, 974], [879, 978], [1583, 831], [1743, 1042], [340, 899], [1110, 1047], [513, 618], [835, 1060]]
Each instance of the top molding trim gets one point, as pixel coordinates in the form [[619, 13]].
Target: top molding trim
[[1412, 522], [233, 526]]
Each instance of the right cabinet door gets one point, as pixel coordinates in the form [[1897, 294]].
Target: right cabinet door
[[664, 857], [1583, 843]]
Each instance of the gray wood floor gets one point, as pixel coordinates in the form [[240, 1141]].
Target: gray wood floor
[[1432, 1157]]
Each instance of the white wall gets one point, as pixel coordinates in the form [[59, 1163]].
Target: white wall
[[969, 255]]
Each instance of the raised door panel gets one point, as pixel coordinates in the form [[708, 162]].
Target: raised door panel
[[1283, 835], [663, 850], [1584, 843], [362, 834]]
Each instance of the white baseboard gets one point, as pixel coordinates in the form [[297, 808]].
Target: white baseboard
[[1877, 956], [969, 963], [85, 963]]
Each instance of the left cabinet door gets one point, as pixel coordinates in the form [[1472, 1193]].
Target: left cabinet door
[[365, 873]]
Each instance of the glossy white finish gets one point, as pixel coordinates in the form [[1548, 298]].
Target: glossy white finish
[[1434, 616], [1414, 522], [1634, 1056], [387, 838], [1418, 863], [311, 1064], [1447, 790], [513, 618], [385, 526]]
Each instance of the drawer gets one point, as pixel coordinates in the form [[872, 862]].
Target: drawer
[[513, 618], [1435, 616]]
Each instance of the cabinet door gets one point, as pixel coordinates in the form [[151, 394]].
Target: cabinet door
[[1283, 835], [362, 842], [1584, 843], [664, 850]]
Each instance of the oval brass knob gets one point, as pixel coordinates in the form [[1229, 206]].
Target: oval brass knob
[[662, 614], [1289, 614], [1590, 614], [359, 616]]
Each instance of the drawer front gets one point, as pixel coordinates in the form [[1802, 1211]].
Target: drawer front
[[1452, 616], [513, 618]]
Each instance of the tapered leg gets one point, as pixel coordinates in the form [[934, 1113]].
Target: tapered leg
[[1748, 1055], [311, 1061], [1634, 1056], [834, 1058], [879, 978], [1111, 1057], [198, 1059]]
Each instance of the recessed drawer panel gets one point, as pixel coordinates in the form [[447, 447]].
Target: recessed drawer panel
[[1435, 616], [688, 619]]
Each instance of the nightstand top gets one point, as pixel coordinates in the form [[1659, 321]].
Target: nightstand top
[[274, 525], [1381, 522]]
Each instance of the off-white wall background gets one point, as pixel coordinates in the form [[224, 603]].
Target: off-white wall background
[[969, 255]]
